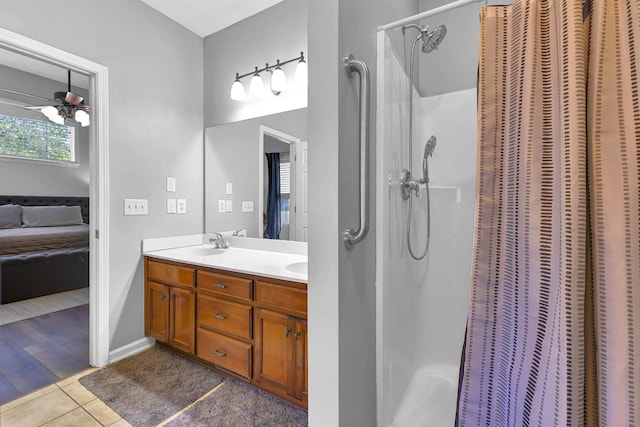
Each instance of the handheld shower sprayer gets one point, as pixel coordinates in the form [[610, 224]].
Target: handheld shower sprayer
[[429, 147], [407, 184]]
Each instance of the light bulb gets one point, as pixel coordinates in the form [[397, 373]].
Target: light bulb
[[237, 90], [57, 119], [50, 111], [82, 117], [301, 73], [256, 86], [278, 80]]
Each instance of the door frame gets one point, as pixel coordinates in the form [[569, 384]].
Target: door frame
[[286, 138], [98, 183]]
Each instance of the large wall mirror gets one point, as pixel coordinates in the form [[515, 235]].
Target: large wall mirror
[[256, 176]]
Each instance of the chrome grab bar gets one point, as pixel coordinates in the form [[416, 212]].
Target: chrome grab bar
[[351, 237]]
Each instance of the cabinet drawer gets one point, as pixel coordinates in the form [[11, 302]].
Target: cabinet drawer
[[168, 273], [225, 285], [284, 297], [224, 315], [225, 352]]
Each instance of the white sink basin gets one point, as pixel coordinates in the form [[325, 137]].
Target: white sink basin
[[202, 250], [298, 267]]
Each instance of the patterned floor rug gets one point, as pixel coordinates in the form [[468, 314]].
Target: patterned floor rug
[[149, 387], [235, 404]]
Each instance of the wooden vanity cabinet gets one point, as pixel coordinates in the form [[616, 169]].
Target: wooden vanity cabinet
[[280, 355], [248, 326], [170, 304], [224, 321]]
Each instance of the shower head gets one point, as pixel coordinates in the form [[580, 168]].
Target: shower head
[[430, 147], [432, 39]]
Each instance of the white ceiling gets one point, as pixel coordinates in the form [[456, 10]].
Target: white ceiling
[[205, 17]]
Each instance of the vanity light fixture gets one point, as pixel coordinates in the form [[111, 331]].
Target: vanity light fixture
[[278, 81]]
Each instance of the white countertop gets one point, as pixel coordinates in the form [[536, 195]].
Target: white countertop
[[259, 257]]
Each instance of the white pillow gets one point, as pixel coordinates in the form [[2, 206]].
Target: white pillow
[[10, 216], [51, 216]]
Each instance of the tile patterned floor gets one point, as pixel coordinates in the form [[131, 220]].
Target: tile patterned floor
[[65, 403]]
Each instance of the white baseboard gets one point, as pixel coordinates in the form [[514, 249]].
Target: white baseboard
[[130, 349]]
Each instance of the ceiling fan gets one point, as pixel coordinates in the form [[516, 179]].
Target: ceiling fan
[[65, 105]]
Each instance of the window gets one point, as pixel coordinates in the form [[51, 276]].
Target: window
[[36, 139], [285, 188]]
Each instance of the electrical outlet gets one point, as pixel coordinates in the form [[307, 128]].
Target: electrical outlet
[[136, 206], [182, 206], [229, 205], [171, 184], [171, 206], [247, 206], [222, 206], [229, 188]]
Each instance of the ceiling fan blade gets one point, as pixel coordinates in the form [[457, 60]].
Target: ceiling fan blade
[[36, 107], [27, 95]]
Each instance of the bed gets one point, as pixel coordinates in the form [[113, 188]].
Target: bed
[[44, 246]]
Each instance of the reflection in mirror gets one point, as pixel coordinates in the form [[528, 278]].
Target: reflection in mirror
[[237, 176]]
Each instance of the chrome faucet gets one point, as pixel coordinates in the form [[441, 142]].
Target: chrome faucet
[[218, 240]]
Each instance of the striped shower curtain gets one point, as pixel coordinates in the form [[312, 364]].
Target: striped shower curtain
[[553, 335]]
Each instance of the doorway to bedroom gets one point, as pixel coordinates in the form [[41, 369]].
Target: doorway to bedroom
[[53, 301]]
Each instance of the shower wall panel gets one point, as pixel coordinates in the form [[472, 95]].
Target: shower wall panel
[[421, 305]]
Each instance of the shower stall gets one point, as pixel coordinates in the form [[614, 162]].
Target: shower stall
[[422, 301]]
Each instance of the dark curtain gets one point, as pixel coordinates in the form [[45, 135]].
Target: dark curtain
[[272, 230]]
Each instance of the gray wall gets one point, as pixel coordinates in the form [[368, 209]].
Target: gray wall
[[232, 155], [454, 66], [342, 283], [42, 178], [155, 127], [279, 32]]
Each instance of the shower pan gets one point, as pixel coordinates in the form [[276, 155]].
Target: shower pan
[[428, 201]]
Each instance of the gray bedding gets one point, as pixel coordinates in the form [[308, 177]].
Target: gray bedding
[[38, 239]]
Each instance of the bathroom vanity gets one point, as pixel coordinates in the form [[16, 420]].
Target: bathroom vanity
[[241, 311]]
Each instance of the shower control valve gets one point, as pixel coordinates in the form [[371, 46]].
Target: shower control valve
[[407, 185]]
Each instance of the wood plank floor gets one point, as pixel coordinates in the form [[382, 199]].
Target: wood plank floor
[[42, 350]]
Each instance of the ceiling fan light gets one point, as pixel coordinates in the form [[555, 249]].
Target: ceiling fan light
[[50, 112], [57, 119], [237, 90], [278, 80], [82, 117], [256, 86]]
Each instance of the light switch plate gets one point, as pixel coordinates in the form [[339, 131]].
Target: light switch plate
[[136, 206], [171, 206], [171, 184], [229, 205], [182, 206], [229, 188], [222, 206], [247, 206]]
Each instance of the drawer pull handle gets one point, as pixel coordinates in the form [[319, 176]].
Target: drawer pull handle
[[219, 316], [220, 285], [287, 331], [220, 353], [296, 334], [164, 297]]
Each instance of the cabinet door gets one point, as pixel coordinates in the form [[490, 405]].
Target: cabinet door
[[300, 382], [182, 320], [157, 311], [273, 334]]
